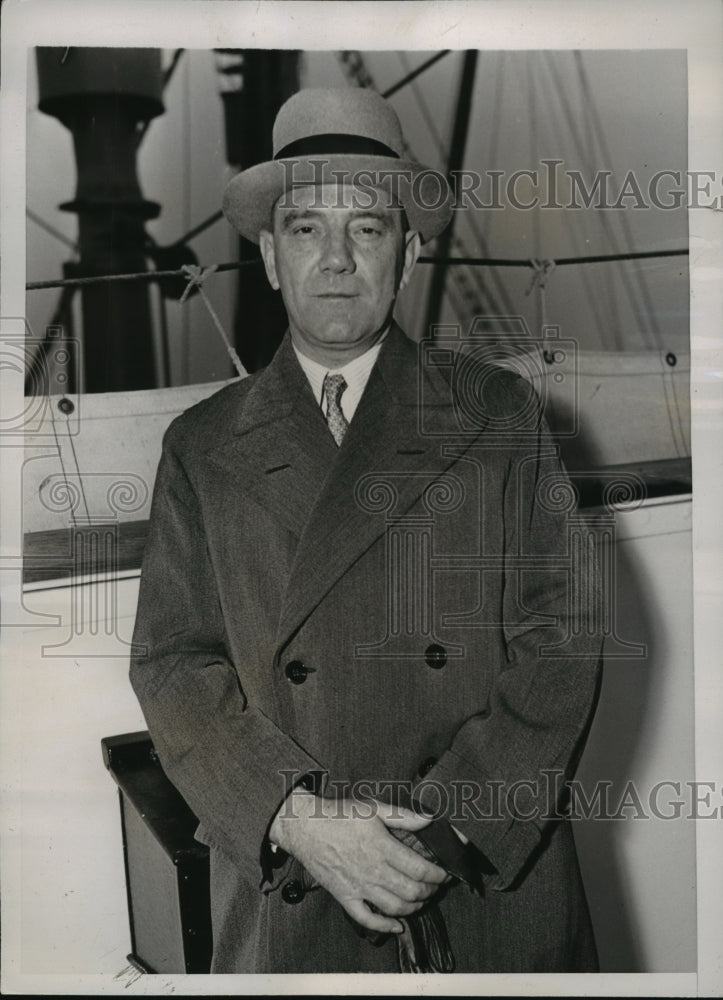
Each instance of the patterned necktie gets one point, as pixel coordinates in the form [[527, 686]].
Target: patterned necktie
[[334, 386]]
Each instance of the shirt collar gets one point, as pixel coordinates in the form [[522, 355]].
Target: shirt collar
[[356, 374]]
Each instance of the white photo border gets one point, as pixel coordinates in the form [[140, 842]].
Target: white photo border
[[416, 24]]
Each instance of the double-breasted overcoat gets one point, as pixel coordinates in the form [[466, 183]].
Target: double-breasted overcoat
[[405, 609]]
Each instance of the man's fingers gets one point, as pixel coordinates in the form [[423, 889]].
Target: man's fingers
[[409, 863], [360, 912], [407, 888], [390, 904], [401, 818]]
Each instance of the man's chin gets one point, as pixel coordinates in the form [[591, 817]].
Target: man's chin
[[342, 337], [339, 339]]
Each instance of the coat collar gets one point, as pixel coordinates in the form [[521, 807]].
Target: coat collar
[[279, 451], [393, 450], [278, 448]]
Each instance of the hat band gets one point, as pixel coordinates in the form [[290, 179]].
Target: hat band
[[335, 144]]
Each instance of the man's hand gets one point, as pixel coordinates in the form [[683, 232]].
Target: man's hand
[[346, 847]]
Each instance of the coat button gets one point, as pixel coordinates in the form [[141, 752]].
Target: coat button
[[435, 656], [292, 892], [426, 766], [296, 671]]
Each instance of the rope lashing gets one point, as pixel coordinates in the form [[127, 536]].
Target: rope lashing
[[196, 277], [237, 265], [33, 286], [413, 74], [541, 270]]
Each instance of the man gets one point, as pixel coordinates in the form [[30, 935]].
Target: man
[[356, 605]]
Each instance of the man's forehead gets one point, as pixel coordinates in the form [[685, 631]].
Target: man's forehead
[[342, 195]]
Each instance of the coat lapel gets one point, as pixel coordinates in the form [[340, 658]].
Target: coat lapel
[[383, 445], [279, 449]]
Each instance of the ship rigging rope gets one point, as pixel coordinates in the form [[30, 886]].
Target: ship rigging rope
[[197, 276], [542, 270], [206, 224], [593, 158], [33, 286], [647, 312], [357, 71], [412, 74], [34, 217], [605, 317], [481, 289]]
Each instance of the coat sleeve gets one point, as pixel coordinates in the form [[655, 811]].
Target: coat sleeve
[[223, 755], [504, 773]]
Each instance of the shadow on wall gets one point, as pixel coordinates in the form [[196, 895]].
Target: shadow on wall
[[611, 751], [624, 861], [639, 873]]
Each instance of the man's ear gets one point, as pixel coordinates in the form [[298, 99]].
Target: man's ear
[[268, 254], [412, 247]]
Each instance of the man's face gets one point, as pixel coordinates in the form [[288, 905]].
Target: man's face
[[339, 268]]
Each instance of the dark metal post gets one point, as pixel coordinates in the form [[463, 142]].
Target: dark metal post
[[254, 85], [102, 96], [456, 158]]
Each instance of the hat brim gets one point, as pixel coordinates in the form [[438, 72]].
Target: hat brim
[[423, 193]]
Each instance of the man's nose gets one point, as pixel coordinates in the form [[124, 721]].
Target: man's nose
[[336, 256]]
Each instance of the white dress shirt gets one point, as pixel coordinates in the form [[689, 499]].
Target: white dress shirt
[[356, 375]]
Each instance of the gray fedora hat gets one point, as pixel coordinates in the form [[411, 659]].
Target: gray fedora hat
[[347, 135]]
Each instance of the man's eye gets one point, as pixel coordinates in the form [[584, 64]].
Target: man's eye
[[302, 230], [369, 231]]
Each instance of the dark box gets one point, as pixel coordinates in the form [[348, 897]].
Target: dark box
[[167, 871]]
